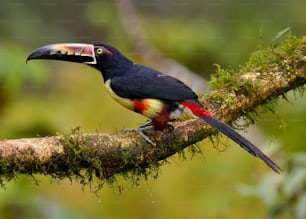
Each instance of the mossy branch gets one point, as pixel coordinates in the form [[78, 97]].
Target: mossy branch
[[267, 75]]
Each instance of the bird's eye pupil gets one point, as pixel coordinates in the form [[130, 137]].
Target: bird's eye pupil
[[99, 51]]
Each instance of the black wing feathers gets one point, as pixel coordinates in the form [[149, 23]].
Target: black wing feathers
[[144, 82]]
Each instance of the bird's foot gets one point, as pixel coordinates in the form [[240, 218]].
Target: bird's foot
[[146, 125], [140, 131], [170, 127]]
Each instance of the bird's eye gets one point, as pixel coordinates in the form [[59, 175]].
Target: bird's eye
[[99, 51]]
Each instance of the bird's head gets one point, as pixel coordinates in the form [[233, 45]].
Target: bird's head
[[105, 58]]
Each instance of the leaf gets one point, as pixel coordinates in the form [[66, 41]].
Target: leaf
[[279, 35]]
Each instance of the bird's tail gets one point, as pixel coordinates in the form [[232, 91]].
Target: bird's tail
[[231, 133]]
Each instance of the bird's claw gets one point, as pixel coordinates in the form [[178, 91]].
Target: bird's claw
[[170, 127], [140, 130], [146, 125]]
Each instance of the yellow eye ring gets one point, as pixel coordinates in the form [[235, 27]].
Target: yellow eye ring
[[99, 51]]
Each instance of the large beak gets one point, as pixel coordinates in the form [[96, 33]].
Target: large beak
[[73, 52]]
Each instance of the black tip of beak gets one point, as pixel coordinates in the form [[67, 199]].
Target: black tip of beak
[[46, 52], [40, 53]]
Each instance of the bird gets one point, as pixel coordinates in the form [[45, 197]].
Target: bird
[[144, 90]]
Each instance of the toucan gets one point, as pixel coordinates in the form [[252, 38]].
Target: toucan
[[160, 97]]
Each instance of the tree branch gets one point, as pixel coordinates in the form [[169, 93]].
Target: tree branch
[[267, 75]]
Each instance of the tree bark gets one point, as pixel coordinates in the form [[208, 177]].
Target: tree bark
[[268, 75]]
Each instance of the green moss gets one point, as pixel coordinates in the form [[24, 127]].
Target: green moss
[[222, 77], [77, 165], [230, 86], [88, 166], [6, 174], [289, 51]]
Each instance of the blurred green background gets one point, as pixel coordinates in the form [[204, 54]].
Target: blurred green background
[[43, 98]]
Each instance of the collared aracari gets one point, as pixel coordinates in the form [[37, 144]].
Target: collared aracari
[[142, 89]]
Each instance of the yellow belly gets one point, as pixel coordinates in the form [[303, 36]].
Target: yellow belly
[[123, 101], [148, 107]]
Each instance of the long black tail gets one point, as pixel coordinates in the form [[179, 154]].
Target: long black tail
[[239, 139]]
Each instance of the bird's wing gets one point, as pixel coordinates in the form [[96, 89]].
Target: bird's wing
[[145, 82]]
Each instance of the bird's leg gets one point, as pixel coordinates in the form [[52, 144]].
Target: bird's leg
[[140, 130]]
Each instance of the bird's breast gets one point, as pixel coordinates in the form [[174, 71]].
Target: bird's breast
[[148, 107], [123, 101]]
